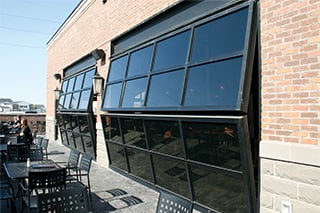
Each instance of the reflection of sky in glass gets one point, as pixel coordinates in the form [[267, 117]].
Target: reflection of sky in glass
[[84, 100], [79, 81], [64, 86], [74, 100], [112, 96], [70, 85], [140, 61], [67, 101], [88, 79], [171, 52], [118, 68], [135, 93], [215, 84], [165, 89]]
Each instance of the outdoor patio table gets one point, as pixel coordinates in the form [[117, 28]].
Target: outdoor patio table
[[20, 170]]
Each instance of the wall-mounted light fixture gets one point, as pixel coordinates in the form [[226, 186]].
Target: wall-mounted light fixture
[[98, 54], [57, 93], [104, 1], [97, 82], [57, 76]]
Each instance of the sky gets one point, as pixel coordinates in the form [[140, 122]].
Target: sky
[[25, 28]]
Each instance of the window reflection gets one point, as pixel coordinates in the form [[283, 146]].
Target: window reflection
[[71, 85], [164, 137], [134, 94], [117, 156], [226, 192], [74, 100], [84, 99], [118, 68], [172, 52], [67, 101], [168, 174], [214, 84], [215, 144], [165, 89], [220, 37], [79, 81], [88, 79], [112, 96], [112, 129], [133, 132], [139, 163], [78, 142], [84, 125], [139, 62], [64, 86]]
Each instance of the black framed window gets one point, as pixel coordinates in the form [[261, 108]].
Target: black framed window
[[210, 55]]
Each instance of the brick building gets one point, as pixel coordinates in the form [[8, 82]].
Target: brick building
[[216, 101]]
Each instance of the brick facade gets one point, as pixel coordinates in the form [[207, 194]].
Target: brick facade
[[290, 86]]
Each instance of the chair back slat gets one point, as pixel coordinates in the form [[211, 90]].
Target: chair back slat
[[85, 163], [36, 154], [73, 158], [171, 203], [51, 179], [73, 200]]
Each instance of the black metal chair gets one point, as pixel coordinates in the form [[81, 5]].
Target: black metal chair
[[41, 182], [171, 203], [73, 200], [82, 171], [17, 152], [7, 193], [44, 145], [73, 161], [36, 154]]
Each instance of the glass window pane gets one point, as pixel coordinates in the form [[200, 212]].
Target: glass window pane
[[64, 86], [133, 133], [165, 89], [226, 192], [139, 163], [74, 100], [84, 125], [61, 101], [135, 92], [220, 37], [88, 79], [84, 99], [64, 137], [70, 139], [79, 81], [74, 126], [172, 52], [117, 156], [71, 85], [78, 142], [214, 144], [164, 137], [88, 145], [168, 174], [112, 129], [140, 61], [112, 96], [214, 84], [118, 68], [67, 101]]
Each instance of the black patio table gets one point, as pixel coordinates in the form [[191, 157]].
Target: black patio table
[[20, 170]]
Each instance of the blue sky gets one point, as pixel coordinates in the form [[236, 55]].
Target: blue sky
[[25, 28]]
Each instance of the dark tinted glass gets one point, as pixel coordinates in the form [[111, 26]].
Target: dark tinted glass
[[134, 93], [118, 68], [112, 129], [112, 96], [172, 51], [215, 144], [84, 99], [165, 89], [139, 163], [88, 79], [64, 137], [133, 133], [226, 192], [78, 141], [70, 139], [88, 145], [79, 81], [170, 175], [220, 37], [74, 126], [214, 84], [74, 100], [140, 61], [84, 125], [71, 85], [164, 137], [117, 156]]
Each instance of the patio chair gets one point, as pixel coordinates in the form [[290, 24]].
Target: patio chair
[[36, 154], [7, 193], [73, 161], [17, 153], [170, 203], [73, 200], [83, 170], [41, 182], [44, 145]]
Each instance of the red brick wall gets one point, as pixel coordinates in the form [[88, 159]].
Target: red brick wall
[[290, 58]]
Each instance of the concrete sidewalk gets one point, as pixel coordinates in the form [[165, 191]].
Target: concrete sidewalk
[[111, 192]]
